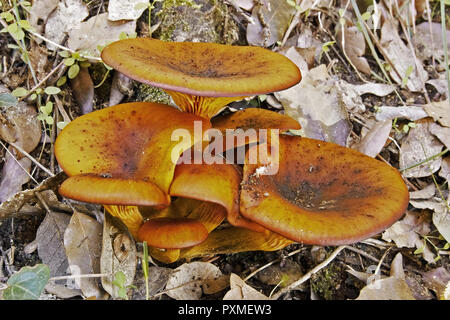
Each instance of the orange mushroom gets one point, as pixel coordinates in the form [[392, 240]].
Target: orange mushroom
[[172, 233], [323, 193], [202, 78], [123, 157]]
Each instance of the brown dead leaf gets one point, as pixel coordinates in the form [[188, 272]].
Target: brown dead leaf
[[157, 279], [280, 274], [402, 58], [428, 40], [445, 169], [239, 290], [407, 233], [15, 173], [121, 85], [187, 282], [442, 133], [66, 17], [118, 254], [412, 113], [417, 147], [374, 140], [82, 241], [83, 90], [39, 13], [390, 288], [439, 281], [316, 104], [271, 20], [98, 31], [440, 112], [21, 125], [126, 9], [50, 242], [352, 42]]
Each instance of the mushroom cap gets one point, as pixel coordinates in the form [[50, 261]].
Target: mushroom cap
[[130, 141], [254, 118], [217, 183], [323, 193], [202, 69], [113, 191], [172, 233]]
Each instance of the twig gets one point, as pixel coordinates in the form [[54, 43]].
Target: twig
[[10, 153], [76, 276], [292, 25], [42, 81], [32, 159], [308, 275], [271, 262]]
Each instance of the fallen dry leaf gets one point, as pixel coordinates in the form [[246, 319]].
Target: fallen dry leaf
[[157, 279], [439, 111], [407, 233], [439, 281], [352, 42], [417, 147], [315, 104], [66, 17], [20, 125], [39, 12], [428, 41], [280, 274], [239, 290], [442, 133], [187, 282], [424, 193], [98, 31], [121, 85], [373, 141], [50, 242], [271, 20], [118, 254], [83, 244], [412, 113], [126, 9], [393, 287], [402, 58], [15, 173], [83, 90], [445, 169]]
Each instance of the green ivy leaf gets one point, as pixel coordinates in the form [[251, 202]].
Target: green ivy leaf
[[7, 100], [61, 81], [28, 283], [47, 109]]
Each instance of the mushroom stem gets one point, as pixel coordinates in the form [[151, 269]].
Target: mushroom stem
[[206, 107], [129, 215]]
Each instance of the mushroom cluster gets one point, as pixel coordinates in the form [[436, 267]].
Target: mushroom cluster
[[125, 157]]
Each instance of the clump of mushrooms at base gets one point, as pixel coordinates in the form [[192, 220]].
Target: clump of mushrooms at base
[[300, 190]]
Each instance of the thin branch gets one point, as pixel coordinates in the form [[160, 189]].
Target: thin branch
[[308, 275]]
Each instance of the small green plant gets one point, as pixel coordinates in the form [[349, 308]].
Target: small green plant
[[119, 281], [27, 284]]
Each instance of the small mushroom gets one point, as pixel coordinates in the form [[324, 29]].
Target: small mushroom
[[322, 193], [202, 78], [172, 233], [122, 157]]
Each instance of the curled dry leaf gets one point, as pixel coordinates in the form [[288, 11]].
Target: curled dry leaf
[[239, 290], [19, 201], [352, 42], [439, 281], [418, 147], [315, 103], [374, 140], [20, 125], [393, 287], [98, 31], [121, 85], [442, 133], [402, 58], [82, 241], [118, 254], [126, 9], [83, 90], [439, 111], [189, 281], [412, 113], [445, 169], [271, 20], [407, 233], [15, 173], [424, 193], [157, 279]]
